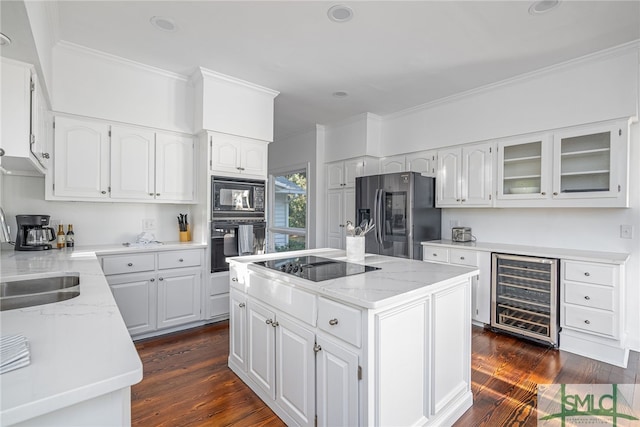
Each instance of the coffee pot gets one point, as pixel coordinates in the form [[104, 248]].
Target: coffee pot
[[34, 234]]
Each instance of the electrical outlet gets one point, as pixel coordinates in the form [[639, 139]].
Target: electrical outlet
[[626, 231], [148, 224]]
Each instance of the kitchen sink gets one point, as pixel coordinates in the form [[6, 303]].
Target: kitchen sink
[[22, 293]]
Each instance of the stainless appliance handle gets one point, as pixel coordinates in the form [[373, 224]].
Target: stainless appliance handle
[[380, 215], [375, 214]]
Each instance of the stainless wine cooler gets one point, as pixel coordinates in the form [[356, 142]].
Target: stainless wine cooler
[[524, 296]]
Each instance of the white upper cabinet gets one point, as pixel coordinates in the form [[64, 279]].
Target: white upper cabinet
[[423, 162], [238, 156], [344, 173], [465, 176], [582, 166], [392, 164], [25, 131], [132, 163], [81, 159], [175, 171]]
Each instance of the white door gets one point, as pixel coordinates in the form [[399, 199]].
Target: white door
[[253, 159], [175, 168], [336, 385], [261, 349], [132, 163], [295, 369], [335, 225], [335, 175], [178, 297], [225, 154], [423, 162], [81, 159], [477, 175], [135, 295], [449, 176], [238, 329], [392, 164]]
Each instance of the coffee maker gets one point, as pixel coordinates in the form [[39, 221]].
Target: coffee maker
[[34, 233]]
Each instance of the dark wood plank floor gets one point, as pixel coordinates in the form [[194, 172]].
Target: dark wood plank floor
[[187, 382]]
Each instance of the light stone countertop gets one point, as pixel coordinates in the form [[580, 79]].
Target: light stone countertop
[[80, 348], [397, 280], [573, 254]]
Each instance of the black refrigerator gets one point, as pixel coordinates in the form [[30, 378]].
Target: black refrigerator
[[402, 206]]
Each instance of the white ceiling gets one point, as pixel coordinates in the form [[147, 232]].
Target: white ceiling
[[392, 55]]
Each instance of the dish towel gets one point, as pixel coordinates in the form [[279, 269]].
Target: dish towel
[[245, 239], [14, 352]]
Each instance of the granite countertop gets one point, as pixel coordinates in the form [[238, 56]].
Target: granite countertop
[[573, 254], [397, 280], [80, 348]]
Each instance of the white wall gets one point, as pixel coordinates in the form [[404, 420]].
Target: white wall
[[93, 223], [356, 136], [292, 152], [602, 87], [41, 18], [95, 84]]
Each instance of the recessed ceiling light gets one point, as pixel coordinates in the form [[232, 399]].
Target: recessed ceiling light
[[162, 23], [340, 94], [543, 6], [4, 40], [340, 13]]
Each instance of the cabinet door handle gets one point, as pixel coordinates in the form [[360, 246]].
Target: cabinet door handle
[[45, 155], [587, 322], [151, 194], [1, 152], [157, 194], [161, 279], [181, 260], [333, 322], [317, 348], [555, 193], [464, 200], [457, 200], [274, 324], [586, 273], [435, 254], [130, 264], [268, 321], [543, 193], [587, 297], [462, 258], [103, 192], [152, 280], [234, 279], [241, 305]]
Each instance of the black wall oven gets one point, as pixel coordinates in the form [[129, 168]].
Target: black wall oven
[[237, 198], [235, 237]]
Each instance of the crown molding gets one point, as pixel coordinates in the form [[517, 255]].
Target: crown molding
[[612, 52], [118, 59], [219, 76]]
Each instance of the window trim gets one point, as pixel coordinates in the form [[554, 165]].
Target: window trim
[[272, 229]]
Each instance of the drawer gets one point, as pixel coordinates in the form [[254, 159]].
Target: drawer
[[432, 253], [119, 264], [340, 321], [600, 274], [219, 284], [177, 259], [589, 295], [290, 300], [463, 257], [589, 320]]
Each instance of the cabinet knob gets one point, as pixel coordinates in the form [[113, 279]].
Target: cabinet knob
[[157, 194], [152, 280], [46, 155], [130, 264], [543, 193], [161, 279], [241, 305], [587, 297], [1, 152], [457, 200], [268, 321], [587, 322], [151, 194], [462, 258], [317, 348], [586, 273], [342, 225], [435, 254], [555, 193], [234, 279], [103, 192], [181, 260], [274, 324], [464, 200], [333, 322]]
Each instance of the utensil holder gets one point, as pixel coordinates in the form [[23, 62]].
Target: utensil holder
[[355, 248]]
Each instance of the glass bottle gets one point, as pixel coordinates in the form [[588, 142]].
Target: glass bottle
[[70, 237], [61, 237]]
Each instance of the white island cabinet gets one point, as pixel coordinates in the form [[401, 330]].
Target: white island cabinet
[[385, 347]]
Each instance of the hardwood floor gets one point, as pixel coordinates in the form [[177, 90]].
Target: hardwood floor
[[187, 382]]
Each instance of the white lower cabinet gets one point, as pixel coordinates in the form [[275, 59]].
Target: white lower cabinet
[[480, 285], [156, 290], [318, 361], [217, 306]]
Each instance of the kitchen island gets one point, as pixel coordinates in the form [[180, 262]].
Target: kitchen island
[[83, 361], [384, 347]]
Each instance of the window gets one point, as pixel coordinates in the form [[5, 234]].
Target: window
[[288, 219]]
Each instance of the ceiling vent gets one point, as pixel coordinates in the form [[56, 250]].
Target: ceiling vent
[[164, 24], [543, 6]]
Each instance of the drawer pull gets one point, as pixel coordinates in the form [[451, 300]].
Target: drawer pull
[[130, 264], [333, 322], [241, 305], [435, 254], [587, 297], [152, 280], [161, 279], [587, 322], [234, 279], [462, 258], [181, 260], [586, 273]]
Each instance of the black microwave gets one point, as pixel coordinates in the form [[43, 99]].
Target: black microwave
[[237, 198]]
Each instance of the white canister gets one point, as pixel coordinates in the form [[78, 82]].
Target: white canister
[[355, 248]]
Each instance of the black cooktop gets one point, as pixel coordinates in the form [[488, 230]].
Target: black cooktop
[[316, 268]]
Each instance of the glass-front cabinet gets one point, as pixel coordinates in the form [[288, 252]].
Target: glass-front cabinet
[[582, 166], [524, 168]]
